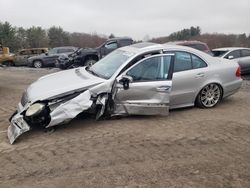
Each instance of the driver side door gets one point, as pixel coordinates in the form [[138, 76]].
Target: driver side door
[[148, 90]]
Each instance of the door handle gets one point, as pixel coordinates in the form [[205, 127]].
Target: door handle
[[163, 88], [200, 75]]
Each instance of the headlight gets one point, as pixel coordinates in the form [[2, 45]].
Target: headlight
[[34, 109]]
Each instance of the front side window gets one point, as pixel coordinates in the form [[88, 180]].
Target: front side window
[[111, 45], [233, 55], [182, 62], [197, 62], [245, 53], [154, 68]]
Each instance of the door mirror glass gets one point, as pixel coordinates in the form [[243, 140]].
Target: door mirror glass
[[125, 80]]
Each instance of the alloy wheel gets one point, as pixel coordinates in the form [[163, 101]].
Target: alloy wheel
[[37, 64], [210, 95]]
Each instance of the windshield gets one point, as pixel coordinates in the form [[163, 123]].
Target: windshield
[[107, 66], [219, 53]]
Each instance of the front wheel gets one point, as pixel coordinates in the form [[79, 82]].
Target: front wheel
[[209, 96], [37, 64]]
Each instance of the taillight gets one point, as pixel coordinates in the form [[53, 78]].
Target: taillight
[[238, 72]]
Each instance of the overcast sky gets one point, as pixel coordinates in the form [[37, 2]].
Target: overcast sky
[[135, 18]]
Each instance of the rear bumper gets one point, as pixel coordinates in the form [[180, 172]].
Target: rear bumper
[[232, 87]]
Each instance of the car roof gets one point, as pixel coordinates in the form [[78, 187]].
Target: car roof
[[34, 49], [64, 47], [120, 38], [145, 47], [142, 47], [186, 42], [230, 48]]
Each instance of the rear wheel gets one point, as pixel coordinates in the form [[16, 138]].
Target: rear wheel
[[37, 64], [209, 96]]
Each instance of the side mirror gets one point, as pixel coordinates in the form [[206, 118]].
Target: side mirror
[[230, 57], [46, 53], [125, 80]]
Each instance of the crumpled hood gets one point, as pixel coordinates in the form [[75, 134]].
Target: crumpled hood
[[60, 83]]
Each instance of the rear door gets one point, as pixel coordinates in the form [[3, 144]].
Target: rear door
[[189, 76], [149, 91]]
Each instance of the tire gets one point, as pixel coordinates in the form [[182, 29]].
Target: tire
[[90, 62], [37, 64], [209, 96]]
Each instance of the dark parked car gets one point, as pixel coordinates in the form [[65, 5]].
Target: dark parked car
[[49, 59], [89, 56], [194, 44], [238, 54]]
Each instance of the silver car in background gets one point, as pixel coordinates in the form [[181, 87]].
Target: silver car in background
[[239, 55], [141, 79]]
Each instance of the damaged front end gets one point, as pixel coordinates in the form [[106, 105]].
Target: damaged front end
[[49, 113]]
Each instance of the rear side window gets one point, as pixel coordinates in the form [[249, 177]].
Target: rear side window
[[182, 62], [201, 47], [125, 42], [197, 62], [25, 52], [219, 53], [245, 53], [65, 50], [234, 54]]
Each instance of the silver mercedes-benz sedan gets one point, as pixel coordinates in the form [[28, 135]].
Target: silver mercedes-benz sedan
[[141, 79]]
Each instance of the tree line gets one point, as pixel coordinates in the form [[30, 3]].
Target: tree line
[[18, 37], [34, 37], [214, 40]]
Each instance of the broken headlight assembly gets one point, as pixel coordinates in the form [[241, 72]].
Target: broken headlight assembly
[[37, 114], [34, 109]]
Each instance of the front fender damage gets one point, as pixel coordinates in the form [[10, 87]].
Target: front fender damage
[[70, 109], [61, 114]]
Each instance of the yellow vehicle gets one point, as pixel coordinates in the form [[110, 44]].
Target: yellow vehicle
[[6, 58]]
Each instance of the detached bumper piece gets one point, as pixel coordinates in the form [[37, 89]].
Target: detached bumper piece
[[17, 127]]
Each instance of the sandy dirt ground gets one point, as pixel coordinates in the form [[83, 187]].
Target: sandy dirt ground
[[189, 148]]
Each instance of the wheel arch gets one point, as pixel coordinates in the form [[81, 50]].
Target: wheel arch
[[36, 60]]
